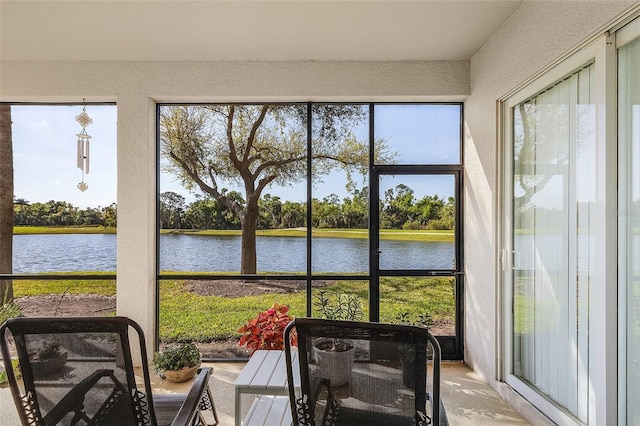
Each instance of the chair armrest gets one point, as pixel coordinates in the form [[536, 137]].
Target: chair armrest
[[191, 406]]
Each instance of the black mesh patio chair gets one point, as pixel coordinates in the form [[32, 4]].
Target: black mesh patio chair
[[361, 373], [79, 371]]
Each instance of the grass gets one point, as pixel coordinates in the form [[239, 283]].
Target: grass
[[26, 230], [78, 286], [417, 295], [188, 316], [385, 234], [213, 318]]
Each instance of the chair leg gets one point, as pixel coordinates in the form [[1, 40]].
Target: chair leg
[[207, 404]]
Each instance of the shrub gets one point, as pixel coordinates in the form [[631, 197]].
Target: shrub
[[424, 320], [266, 330], [339, 306]]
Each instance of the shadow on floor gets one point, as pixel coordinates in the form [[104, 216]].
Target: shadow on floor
[[467, 398]]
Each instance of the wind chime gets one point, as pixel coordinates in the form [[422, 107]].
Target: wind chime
[[83, 146]]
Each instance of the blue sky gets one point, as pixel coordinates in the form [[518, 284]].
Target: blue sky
[[44, 154], [45, 169]]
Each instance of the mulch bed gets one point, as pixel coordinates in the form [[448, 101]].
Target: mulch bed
[[238, 288]]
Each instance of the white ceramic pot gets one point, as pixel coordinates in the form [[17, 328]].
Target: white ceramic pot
[[335, 359]]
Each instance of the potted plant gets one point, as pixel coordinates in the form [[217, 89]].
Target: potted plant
[[408, 353], [48, 357], [177, 363], [266, 330], [335, 357]]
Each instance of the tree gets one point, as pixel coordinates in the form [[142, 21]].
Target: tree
[[20, 207], [254, 146], [398, 207], [110, 215], [172, 207], [356, 209], [270, 212], [6, 203], [293, 215]]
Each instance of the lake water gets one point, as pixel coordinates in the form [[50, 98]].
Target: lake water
[[97, 252]]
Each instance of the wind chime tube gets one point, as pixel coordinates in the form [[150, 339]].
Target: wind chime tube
[[80, 154], [86, 157]]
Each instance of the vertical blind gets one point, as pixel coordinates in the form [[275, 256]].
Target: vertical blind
[[553, 241], [629, 219]]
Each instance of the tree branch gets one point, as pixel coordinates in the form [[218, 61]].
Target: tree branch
[[262, 184], [254, 130], [211, 190], [233, 155]]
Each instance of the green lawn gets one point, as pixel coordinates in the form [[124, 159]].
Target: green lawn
[[24, 230], [212, 318], [78, 286], [188, 316], [385, 234]]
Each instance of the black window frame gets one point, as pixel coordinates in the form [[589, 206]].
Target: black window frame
[[452, 346]]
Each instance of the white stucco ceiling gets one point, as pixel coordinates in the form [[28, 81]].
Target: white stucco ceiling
[[248, 29]]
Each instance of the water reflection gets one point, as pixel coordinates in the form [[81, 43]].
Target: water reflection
[[178, 252]]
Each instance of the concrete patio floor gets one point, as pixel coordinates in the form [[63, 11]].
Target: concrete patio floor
[[467, 398]]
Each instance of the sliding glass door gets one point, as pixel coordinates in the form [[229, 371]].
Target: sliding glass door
[[553, 197], [571, 235], [629, 221]]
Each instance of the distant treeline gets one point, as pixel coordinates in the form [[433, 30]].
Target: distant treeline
[[399, 210], [61, 213]]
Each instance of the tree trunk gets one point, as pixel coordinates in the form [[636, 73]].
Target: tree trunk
[[6, 204], [249, 264]]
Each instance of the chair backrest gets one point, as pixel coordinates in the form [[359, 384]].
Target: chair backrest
[[361, 373], [76, 370]]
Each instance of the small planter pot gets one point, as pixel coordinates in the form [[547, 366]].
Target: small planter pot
[[335, 360], [49, 365], [408, 363], [179, 376]]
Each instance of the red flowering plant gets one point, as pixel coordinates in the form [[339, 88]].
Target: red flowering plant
[[266, 331]]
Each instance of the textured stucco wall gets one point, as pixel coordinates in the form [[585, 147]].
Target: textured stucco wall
[[537, 34], [136, 86]]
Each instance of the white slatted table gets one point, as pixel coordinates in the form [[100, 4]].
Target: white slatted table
[[264, 374]]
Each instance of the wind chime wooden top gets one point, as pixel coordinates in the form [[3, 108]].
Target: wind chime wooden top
[[83, 146]]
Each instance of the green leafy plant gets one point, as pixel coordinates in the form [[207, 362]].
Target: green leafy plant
[[8, 310], [336, 305], [266, 330], [3, 374], [424, 320], [48, 350], [408, 351], [176, 357]]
